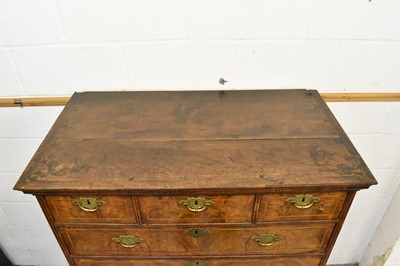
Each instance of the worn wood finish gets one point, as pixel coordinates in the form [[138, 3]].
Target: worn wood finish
[[247, 151], [246, 261], [225, 209], [165, 116], [115, 210], [152, 165], [173, 241], [275, 207]]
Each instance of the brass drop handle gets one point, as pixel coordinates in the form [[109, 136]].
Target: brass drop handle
[[196, 232], [266, 239], [196, 204], [303, 201], [127, 241], [88, 204], [197, 263]]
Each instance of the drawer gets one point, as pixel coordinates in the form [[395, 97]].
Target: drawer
[[284, 207], [107, 209], [245, 261], [187, 241], [198, 209]]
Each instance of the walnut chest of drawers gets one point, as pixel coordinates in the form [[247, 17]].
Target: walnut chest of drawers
[[196, 178]]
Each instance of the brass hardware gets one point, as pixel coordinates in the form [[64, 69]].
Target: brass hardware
[[196, 232], [196, 204], [127, 241], [197, 263], [88, 204], [303, 201], [266, 239]]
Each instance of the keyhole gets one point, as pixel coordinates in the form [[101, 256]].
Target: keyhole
[[88, 202], [195, 202], [303, 199], [195, 232], [197, 263]]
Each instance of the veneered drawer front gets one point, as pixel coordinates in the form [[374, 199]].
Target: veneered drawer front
[[282, 207], [245, 261], [216, 209], [66, 209], [170, 241]]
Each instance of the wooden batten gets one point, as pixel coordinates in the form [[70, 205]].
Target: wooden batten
[[34, 101], [361, 97], [328, 97]]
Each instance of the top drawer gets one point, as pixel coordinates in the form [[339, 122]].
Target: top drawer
[[196, 209], [102, 209], [300, 206]]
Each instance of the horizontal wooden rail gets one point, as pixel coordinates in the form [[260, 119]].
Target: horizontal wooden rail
[[362, 97], [328, 97], [34, 101]]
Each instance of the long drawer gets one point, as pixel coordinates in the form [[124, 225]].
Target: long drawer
[[200, 241], [243, 261]]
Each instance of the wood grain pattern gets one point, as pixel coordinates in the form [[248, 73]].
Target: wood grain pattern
[[243, 261], [225, 209], [169, 241], [274, 207], [116, 210], [257, 164], [198, 115]]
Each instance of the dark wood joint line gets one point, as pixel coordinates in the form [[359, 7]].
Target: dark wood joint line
[[136, 207], [257, 201]]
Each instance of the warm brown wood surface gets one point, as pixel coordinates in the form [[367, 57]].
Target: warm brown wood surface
[[163, 116], [328, 97], [225, 209], [115, 210], [274, 207], [172, 240], [161, 140], [259, 164], [246, 261]]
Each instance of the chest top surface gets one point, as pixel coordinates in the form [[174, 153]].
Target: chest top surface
[[237, 140]]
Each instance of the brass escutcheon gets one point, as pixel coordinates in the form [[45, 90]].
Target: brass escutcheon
[[266, 239], [303, 201], [127, 241], [197, 263], [88, 204], [196, 232], [196, 204]]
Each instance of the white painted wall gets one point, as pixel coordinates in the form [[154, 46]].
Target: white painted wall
[[385, 244], [56, 47]]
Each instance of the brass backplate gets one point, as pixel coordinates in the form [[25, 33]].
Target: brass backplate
[[196, 204], [88, 204], [303, 201]]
